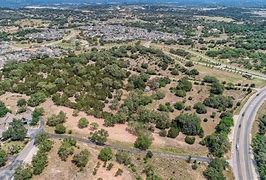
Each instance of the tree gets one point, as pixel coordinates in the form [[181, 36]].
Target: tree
[[189, 124], [179, 105], [60, 129], [173, 132], [105, 154], [189, 139], [56, 119], [99, 137], [23, 173], [123, 157], [16, 131], [36, 99], [81, 159], [184, 84], [3, 157], [210, 79], [83, 123], [217, 88], [21, 102], [215, 169], [143, 142], [3, 109], [66, 149], [39, 162], [200, 108]]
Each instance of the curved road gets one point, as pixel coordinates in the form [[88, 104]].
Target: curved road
[[244, 165]]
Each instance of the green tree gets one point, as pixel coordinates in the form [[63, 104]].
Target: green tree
[[60, 129], [200, 108], [16, 131], [21, 102], [123, 157], [99, 137], [39, 162], [83, 123], [105, 154], [143, 142], [81, 159], [3, 109], [3, 157], [23, 173]]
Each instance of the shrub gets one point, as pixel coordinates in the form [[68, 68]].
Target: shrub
[[23, 173], [3, 109], [56, 119], [190, 140]]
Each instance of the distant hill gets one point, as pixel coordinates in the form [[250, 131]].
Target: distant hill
[[246, 3]]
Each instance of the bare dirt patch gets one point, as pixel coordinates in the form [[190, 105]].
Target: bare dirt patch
[[66, 170]]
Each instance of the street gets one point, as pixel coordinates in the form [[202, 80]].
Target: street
[[244, 166]]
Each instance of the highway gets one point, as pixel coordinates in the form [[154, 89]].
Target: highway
[[243, 164]]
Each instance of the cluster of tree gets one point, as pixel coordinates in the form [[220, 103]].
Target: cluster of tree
[[183, 86], [215, 169], [180, 52], [218, 142], [219, 102], [258, 144]]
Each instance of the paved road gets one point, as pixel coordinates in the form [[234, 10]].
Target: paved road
[[243, 163]]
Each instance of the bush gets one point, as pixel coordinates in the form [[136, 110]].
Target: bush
[[143, 142], [83, 123], [180, 93], [66, 149], [210, 79], [60, 129], [173, 132], [184, 84], [190, 140], [105, 154]]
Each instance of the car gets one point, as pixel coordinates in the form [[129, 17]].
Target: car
[[237, 147], [239, 126], [243, 114]]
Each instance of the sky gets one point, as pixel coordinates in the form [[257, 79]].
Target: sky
[[21, 3]]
